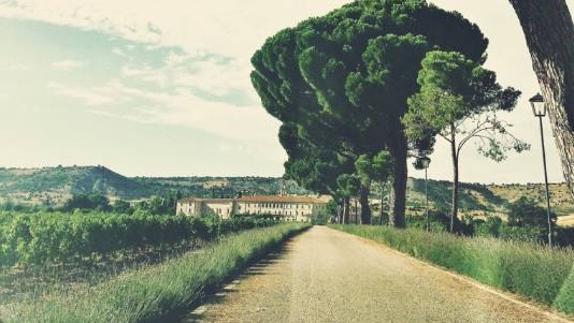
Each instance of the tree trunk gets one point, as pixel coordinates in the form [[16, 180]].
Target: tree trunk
[[382, 211], [365, 207], [398, 152], [346, 207], [549, 31], [342, 218], [455, 179], [357, 210]]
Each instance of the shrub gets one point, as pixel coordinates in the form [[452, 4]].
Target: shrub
[[527, 213], [489, 228]]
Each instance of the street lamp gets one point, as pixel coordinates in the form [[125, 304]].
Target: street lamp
[[424, 163], [539, 109]]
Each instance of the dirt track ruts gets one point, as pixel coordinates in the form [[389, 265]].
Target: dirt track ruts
[[327, 276]]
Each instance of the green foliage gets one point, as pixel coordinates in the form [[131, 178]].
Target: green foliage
[[527, 213], [378, 167], [95, 202], [492, 227], [458, 101], [37, 239], [460, 98], [527, 221], [122, 207], [157, 293], [311, 166], [528, 269], [340, 80], [159, 204], [321, 218], [349, 185]]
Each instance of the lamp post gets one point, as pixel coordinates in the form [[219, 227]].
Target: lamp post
[[424, 163], [539, 109]]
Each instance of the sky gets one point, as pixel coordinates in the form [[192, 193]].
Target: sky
[[162, 88]]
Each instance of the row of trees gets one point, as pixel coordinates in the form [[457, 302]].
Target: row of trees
[[369, 85], [160, 205]]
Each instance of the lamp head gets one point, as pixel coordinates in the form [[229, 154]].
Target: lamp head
[[422, 163], [538, 105]]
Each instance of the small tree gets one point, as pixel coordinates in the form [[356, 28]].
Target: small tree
[[458, 102], [122, 207], [349, 185], [378, 168], [366, 174], [87, 202]]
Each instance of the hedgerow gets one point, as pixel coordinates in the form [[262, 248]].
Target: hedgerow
[[40, 238]]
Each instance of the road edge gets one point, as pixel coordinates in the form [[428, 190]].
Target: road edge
[[511, 297]]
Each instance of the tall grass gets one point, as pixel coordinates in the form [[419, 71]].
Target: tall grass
[[161, 291], [537, 272]]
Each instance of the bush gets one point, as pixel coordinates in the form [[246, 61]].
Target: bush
[[542, 274], [321, 219], [439, 221], [564, 236], [527, 213], [489, 228]]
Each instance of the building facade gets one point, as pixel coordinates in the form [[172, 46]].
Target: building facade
[[289, 208]]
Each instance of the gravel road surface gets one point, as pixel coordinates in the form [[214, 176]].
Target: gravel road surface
[[328, 276]]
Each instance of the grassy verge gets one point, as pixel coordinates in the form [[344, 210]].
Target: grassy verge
[[161, 291], [534, 271]]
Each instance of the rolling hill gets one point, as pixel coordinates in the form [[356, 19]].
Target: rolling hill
[[54, 185]]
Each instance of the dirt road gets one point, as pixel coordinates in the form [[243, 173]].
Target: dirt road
[[328, 276]]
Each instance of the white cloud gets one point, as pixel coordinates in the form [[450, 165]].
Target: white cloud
[[217, 40], [89, 97], [233, 28], [67, 65], [180, 108]]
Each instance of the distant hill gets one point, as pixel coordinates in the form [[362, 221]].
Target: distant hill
[[478, 198], [54, 185]]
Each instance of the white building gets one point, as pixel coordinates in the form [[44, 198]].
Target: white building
[[289, 208]]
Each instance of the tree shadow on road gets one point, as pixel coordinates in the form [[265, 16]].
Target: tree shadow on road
[[260, 267]]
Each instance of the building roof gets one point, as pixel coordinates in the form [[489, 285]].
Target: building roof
[[195, 199], [265, 199], [282, 199]]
